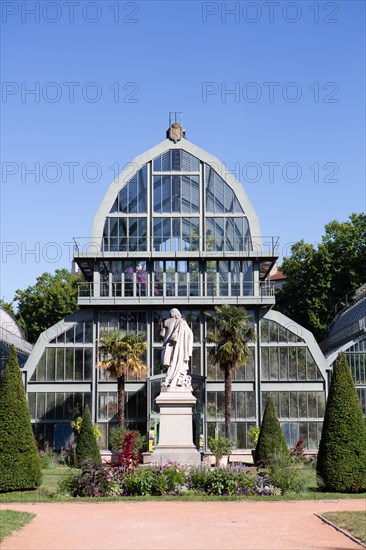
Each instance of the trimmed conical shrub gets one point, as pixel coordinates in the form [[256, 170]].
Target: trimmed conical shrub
[[271, 443], [341, 464], [86, 442], [20, 466]]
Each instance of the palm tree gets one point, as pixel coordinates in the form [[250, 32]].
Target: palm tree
[[122, 352], [231, 335]]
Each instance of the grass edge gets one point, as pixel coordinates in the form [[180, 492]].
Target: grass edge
[[341, 530]]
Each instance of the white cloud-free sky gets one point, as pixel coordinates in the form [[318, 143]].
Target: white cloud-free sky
[[276, 90]]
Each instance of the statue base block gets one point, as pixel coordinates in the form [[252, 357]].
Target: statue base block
[[176, 434]]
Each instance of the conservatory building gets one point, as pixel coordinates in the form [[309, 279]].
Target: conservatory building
[[176, 229]]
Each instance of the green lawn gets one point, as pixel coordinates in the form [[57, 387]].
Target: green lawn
[[12, 521], [48, 492], [353, 522]]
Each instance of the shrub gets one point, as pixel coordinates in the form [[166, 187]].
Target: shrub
[[19, 461], [297, 452], [117, 440], [129, 457], [271, 441], [341, 464], [228, 481], [145, 481], [286, 475], [220, 481], [92, 482], [176, 475], [48, 458], [86, 443]]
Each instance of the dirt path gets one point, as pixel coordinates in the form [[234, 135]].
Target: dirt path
[[180, 525]]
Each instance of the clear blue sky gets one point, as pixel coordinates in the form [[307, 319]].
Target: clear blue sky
[[177, 56]]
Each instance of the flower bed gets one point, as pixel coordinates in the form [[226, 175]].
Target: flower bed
[[103, 480]]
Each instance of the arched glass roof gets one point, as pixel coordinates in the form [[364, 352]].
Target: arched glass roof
[[348, 325], [176, 201]]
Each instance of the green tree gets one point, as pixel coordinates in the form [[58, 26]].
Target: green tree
[[20, 466], [341, 464], [231, 335], [86, 442], [271, 445], [319, 278], [52, 298], [121, 354]]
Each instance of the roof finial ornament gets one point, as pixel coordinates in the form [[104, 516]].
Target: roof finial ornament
[[175, 131]]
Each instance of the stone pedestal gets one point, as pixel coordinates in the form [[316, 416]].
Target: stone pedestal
[[176, 436]]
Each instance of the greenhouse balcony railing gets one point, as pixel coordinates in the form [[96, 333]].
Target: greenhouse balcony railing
[[167, 290], [130, 246]]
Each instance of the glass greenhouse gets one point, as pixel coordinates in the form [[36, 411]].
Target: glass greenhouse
[[176, 229]]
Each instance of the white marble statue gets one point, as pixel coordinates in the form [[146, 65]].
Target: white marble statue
[[177, 349]]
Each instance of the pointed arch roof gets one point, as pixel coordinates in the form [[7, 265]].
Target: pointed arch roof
[[132, 168]]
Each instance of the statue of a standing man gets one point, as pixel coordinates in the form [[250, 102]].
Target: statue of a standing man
[[177, 349]]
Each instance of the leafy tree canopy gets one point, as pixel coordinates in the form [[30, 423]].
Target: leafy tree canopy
[[121, 353], [231, 335], [52, 298], [319, 278]]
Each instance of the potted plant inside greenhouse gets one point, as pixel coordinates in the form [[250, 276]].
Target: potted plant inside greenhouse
[[221, 448], [253, 435]]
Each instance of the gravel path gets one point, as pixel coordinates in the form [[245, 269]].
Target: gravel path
[[180, 525]]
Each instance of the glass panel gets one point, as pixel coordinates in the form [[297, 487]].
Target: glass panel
[[273, 331], [79, 332], [241, 433], [284, 404], [51, 359], [158, 368], [282, 334], [41, 368], [70, 335], [32, 405], [250, 402], [211, 369], [303, 404], [211, 404], [196, 361], [313, 440], [321, 403], [264, 363], [88, 363], [301, 368], [294, 412], [264, 326], [283, 363], [41, 405], [69, 371], [59, 412], [312, 411], [220, 403], [303, 433], [88, 332], [239, 373], [78, 364], [240, 403], [60, 364], [69, 405], [273, 363], [292, 364], [78, 404]]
